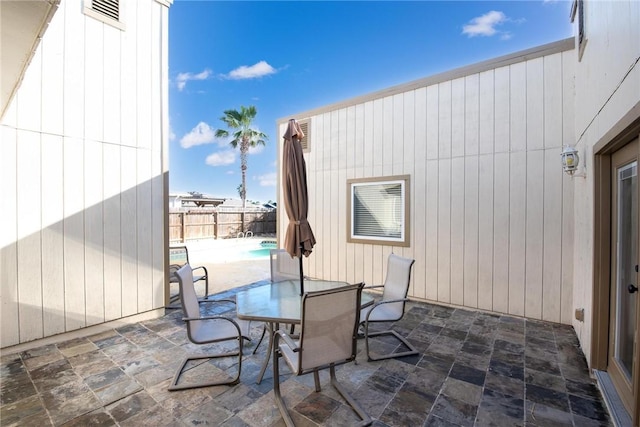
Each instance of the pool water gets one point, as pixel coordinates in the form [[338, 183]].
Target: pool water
[[262, 252]]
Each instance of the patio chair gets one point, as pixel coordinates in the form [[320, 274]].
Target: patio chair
[[391, 307], [206, 330], [329, 328], [178, 257]]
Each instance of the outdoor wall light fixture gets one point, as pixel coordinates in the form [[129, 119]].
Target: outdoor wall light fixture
[[570, 161]]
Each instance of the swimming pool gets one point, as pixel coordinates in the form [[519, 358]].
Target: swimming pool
[[261, 252]]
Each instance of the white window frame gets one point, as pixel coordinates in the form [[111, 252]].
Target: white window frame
[[403, 217]]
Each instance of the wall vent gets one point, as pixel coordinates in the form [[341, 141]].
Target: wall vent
[[304, 125], [108, 8]]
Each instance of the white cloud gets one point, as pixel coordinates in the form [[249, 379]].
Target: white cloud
[[201, 134], [484, 25], [221, 158], [254, 71], [268, 180], [183, 78]]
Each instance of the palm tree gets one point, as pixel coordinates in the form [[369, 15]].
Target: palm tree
[[245, 137]]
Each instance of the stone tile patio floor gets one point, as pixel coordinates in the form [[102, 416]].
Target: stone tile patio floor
[[475, 369]]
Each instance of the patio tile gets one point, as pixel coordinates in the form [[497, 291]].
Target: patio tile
[[474, 368]]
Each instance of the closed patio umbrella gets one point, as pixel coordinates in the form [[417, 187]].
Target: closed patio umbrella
[[299, 239]]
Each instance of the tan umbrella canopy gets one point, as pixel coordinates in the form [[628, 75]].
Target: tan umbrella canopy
[[299, 239]]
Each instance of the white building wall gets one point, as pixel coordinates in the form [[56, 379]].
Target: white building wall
[[607, 88], [491, 210], [82, 175]]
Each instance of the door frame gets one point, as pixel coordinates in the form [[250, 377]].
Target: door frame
[[626, 130]]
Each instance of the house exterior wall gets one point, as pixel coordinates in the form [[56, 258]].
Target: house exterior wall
[[491, 210], [607, 88], [83, 164]]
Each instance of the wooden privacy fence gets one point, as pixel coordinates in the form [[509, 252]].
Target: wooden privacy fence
[[192, 225]]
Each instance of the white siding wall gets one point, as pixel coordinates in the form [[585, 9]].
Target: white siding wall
[[82, 236], [607, 88], [489, 200]]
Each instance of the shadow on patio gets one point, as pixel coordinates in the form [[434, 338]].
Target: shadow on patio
[[475, 368]]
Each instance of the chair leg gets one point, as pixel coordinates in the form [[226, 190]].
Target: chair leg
[[175, 386], [276, 389], [412, 351], [366, 420], [264, 331]]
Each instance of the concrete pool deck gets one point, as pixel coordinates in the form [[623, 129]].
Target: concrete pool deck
[[223, 259]]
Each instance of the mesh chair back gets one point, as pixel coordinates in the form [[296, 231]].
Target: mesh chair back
[[189, 299], [396, 284], [329, 327], [283, 266]]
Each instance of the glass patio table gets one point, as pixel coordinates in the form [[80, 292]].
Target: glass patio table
[[280, 302]]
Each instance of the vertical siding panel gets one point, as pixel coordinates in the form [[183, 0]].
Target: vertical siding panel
[[381, 121], [74, 264], [313, 159], [94, 232], [444, 230], [368, 171], [457, 117], [338, 176], [129, 231], [485, 232], [471, 214], [471, 114], [517, 231], [52, 234], [486, 114], [93, 79], [534, 107], [29, 241], [157, 242], [53, 76], [433, 114], [518, 107], [501, 259], [552, 250], [568, 217], [444, 120], [144, 229], [9, 310], [358, 269], [143, 70], [534, 234], [418, 201], [553, 101], [112, 233], [457, 230], [112, 86], [432, 240], [349, 257], [502, 111], [29, 98], [73, 83], [128, 87], [406, 161]]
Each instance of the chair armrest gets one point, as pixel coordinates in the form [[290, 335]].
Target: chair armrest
[[189, 319], [379, 303], [373, 286], [206, 273], [287, 339]]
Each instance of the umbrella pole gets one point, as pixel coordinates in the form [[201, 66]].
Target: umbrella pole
[[301, 272]]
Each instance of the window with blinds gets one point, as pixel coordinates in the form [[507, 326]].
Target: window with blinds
[[379, 210]]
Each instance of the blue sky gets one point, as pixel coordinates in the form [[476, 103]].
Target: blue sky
[[289, 57]]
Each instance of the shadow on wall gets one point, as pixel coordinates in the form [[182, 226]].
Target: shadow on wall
[[98, 264]]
